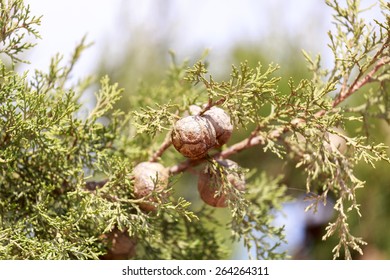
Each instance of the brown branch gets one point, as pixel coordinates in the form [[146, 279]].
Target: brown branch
[[182, 166], [211, 104], [164, 146], [358, 83], [240, 146]]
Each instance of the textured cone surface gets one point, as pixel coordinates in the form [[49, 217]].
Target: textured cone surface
[[194, 110], [193, 136], [221, 123], [145, 175], [209, 184], [336, 142], [121, 245]]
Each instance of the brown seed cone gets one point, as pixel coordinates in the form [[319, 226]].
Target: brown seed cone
[[120, 245], [336, 142], [193, 136], [210, 183], [332, 142], [194, 110], [145, 175], [221, 122]]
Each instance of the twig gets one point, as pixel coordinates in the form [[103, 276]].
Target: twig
[[165, 145], [211, 104], [358, 83], [182, 166]]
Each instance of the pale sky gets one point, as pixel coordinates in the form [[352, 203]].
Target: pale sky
[[216, 24], [193, 24]]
